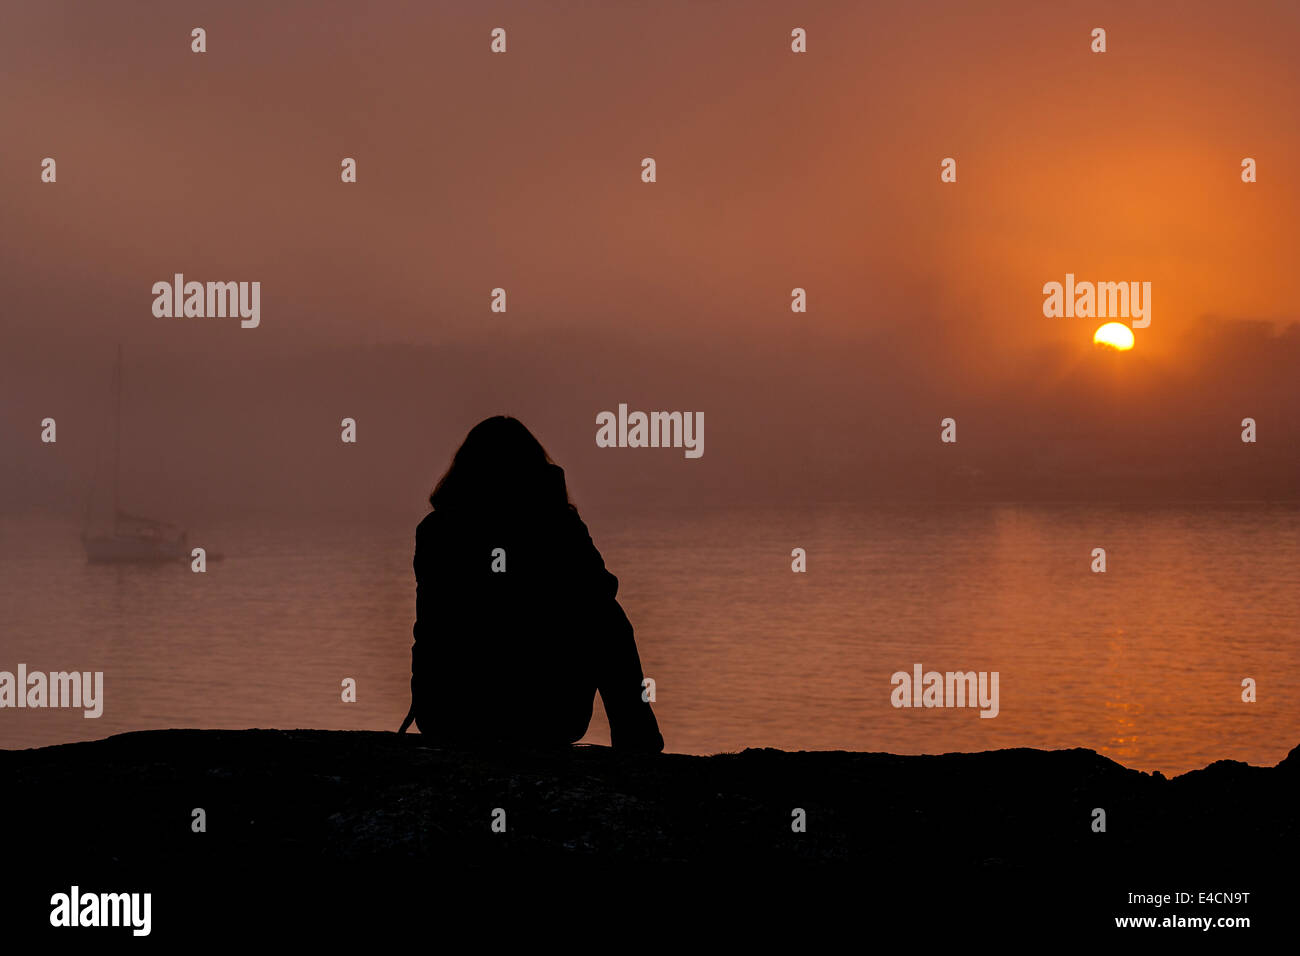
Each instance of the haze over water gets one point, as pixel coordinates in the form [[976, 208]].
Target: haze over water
[[1142, 663], [776, 171]]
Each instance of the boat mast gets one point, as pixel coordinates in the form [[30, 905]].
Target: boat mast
[[117, 432]]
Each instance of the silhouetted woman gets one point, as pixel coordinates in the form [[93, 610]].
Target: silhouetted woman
[[517, 625]]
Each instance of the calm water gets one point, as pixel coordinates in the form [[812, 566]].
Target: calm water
[[1143, 663]]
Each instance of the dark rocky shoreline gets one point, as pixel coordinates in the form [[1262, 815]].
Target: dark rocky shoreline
[[315, 811]]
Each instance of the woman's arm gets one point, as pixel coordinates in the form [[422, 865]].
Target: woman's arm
[[632, 723]]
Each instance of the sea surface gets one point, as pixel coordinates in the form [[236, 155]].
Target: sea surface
[[1143, 663]]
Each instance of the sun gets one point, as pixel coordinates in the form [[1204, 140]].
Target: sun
[[1114, 335]]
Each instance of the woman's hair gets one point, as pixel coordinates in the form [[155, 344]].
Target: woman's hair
[[501, 465]]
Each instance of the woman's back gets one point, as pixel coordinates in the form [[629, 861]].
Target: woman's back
[[517, 626]]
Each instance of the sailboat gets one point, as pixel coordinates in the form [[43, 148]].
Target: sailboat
[[130, 538]]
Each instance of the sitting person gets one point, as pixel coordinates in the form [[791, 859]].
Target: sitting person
[[517, 625]]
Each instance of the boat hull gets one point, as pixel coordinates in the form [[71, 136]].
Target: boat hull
[[110, 549]]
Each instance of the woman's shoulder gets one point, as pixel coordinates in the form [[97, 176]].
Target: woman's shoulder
[[586, 556]]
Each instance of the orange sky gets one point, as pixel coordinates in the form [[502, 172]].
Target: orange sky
[[775, 170]]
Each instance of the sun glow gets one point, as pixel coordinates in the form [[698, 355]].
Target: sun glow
[[1114, 335]]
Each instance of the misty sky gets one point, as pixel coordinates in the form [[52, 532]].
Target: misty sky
[[775, 170]]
